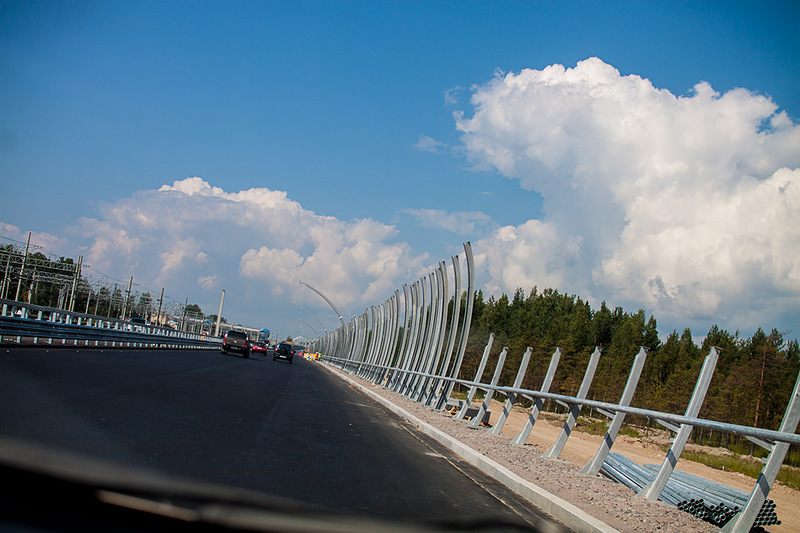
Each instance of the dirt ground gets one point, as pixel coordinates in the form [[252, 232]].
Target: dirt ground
[[610, 502]]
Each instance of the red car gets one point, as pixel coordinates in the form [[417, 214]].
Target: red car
[[259, 347]]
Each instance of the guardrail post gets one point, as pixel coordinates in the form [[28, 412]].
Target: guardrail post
[[512, 396], [538, 402], [575, 410], [653, 490], [593, 467], [501, 360], [743, 522], [478, 375]]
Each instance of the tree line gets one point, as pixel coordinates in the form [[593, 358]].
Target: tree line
[[752, 384]]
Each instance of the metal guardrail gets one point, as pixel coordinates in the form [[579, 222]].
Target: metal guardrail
[[22, 323], [405, 352], [742, 519]]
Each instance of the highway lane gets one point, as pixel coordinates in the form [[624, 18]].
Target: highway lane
[[294, 431]]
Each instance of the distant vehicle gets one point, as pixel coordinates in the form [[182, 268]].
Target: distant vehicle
[[137, 324], [259, 347], [299, 351], [236, 341], [283, 351], [263, 336]]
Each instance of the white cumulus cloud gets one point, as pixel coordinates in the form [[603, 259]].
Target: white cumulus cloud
[[685, 205], [257, 244]]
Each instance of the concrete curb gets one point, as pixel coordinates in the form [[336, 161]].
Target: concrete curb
[[559, 509]]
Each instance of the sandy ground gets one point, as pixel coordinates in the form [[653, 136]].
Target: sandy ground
[[610, 502]]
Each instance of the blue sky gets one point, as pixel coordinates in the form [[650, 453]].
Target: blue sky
[[363, 136]]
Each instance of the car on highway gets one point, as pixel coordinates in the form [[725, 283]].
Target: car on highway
[[137, 324], [236, 341], [259, 347], [284, 351]]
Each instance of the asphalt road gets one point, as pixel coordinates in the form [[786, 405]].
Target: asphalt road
[[294, 431]]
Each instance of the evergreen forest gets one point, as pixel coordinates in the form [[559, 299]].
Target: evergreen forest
[[752, 384]]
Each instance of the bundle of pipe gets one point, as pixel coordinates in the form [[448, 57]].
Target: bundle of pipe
[[707, 500]]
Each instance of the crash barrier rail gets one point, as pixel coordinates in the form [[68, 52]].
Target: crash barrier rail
[[756, 511], [409, 345], [22, 323]]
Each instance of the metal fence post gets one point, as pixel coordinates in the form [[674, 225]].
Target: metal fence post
[[539, 402], [575, 409], [411, 346], [593, 467], [743, 522], [653, 490], [462, 343], [438, 333], [439, 384], [426, 357], [478, 375], [501, 360], [402, 354], [512, 396]]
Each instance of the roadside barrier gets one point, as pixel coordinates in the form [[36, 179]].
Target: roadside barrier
[[26, 324], [407, 353]]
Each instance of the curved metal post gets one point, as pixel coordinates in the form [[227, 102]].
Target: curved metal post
[[462, 346]]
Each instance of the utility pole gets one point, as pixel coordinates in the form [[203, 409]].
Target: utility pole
[[160, 301], [75, 283], [219, 314], [22, 270], [127, 297]]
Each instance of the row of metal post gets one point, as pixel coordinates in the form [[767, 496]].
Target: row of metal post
[[408, 345], [403, 348]]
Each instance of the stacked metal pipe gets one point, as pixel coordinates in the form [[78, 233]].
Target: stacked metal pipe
[[707, 500]]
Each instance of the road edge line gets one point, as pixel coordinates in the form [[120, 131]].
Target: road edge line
[[560, 509]]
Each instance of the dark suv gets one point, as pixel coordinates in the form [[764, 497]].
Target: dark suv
[[236, 341], [284, 351]]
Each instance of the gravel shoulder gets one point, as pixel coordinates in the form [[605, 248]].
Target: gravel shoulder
[[607, 501]]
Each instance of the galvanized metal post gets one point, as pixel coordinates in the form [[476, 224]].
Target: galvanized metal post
[[593, 467], [478, 375], [512, 396], [487, 399], [426, 354], [448, 351], [401, 356], [575, 410], [394, 331], [418, 352], [462, 345], [653, 490], [538, 402], [412, 339], [743, 522], [437, 331]]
